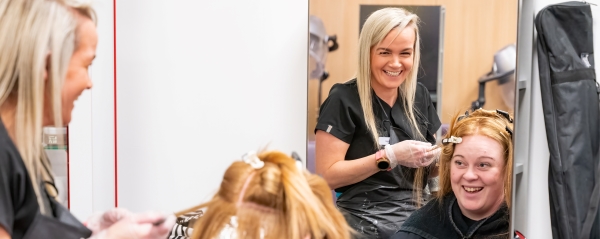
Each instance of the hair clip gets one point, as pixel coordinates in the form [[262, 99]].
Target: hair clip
[[253, 160], [298, 160], [463, 116], [452, 139], [505, 115], [509, 131]]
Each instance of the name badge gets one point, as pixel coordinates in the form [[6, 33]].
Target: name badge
[[384, 140]]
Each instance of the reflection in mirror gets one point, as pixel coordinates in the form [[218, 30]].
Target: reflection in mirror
[[467, 61], [55, 142]]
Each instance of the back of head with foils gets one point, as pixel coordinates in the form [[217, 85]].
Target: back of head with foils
[[270, 197], [496, 125]]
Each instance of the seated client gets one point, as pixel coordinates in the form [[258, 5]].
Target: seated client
[[475, 178]]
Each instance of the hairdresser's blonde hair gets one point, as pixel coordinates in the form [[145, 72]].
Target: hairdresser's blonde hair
[[35, 35], [278, 202], [375, 29], [485, 123], [83, 8]]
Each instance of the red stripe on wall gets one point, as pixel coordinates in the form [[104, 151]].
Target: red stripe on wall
[[115, 96], [68, 172]]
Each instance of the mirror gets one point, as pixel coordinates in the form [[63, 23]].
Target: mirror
[[473, 32], [55, 142], [468, 53]]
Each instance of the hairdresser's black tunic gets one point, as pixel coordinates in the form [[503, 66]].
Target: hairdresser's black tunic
[[446, 221], [377, 206], [19, 210]]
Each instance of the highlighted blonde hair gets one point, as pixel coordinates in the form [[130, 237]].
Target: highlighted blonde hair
[[280, 201], [29, 32], [485, 123], [375, 29], [35, 36]]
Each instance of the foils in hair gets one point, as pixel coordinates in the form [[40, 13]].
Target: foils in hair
[[505, 115], [452, 139], [252, 159]]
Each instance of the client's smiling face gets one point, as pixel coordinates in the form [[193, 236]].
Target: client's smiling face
[[476, 174]]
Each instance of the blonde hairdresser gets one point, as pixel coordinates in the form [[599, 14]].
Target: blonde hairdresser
[[46, 48], [375, 133]]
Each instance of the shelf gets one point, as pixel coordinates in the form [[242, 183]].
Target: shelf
[[55, 147], [518, 168]]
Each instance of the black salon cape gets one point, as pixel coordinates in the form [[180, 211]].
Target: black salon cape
[[376, 206], [20, 215], [433, 221]]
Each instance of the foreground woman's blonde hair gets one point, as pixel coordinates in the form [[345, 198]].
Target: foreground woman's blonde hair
[[34, 35], [276, 201]]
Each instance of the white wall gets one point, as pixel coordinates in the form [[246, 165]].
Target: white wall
[[91, 132], [199, 84]]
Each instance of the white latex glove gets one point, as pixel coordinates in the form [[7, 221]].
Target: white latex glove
[[141, 226], [411, 153], [102, 220]]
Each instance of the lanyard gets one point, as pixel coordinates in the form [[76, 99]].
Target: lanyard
[[387, 123]]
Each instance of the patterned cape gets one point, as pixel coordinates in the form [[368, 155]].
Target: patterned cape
[[183, 228], [184, 225]]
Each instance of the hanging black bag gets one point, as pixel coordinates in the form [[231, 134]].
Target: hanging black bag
[[571, 113]]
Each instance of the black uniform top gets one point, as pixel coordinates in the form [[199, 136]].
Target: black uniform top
[[343, 112], [378, 205], [20, 215], [18, 202]]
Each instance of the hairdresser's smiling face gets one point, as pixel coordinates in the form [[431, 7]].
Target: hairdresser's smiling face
[[392, 59], [77, 78], [476, 175]]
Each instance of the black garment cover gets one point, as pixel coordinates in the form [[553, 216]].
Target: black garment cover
[[438, 220], [62, 224], [570, 103]]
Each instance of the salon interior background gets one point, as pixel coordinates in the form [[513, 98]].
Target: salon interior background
[[198, 84]]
